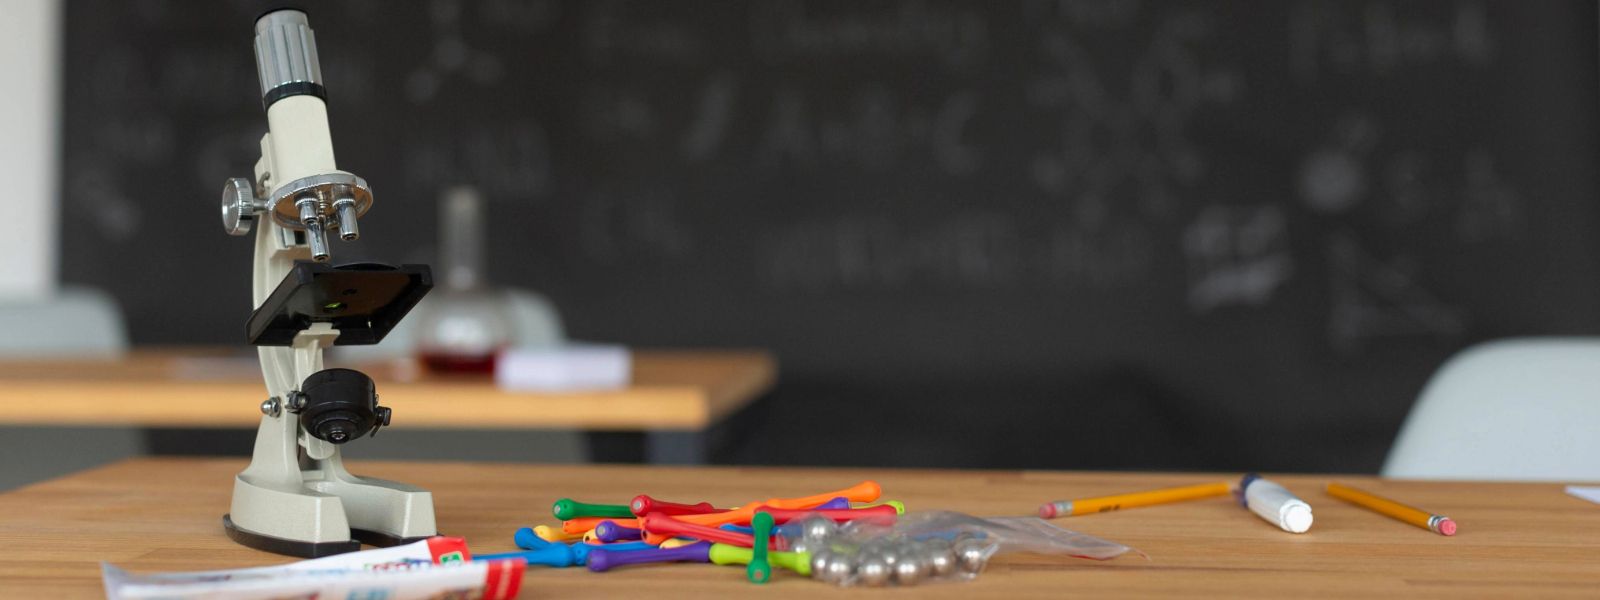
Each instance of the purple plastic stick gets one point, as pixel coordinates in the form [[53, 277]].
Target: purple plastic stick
[[581, 550], [609, 531], [836, 503], [601, 560]]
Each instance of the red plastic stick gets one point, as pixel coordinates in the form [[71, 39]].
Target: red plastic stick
[[664, 527], [643, 505]]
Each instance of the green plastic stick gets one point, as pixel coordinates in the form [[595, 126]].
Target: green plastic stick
[[567, 509], [900, 508], [727, 554], [760, 570]]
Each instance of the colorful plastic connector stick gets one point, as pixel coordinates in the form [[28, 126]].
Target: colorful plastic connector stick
[[609, 531], [724, 554], [643, 505], [882, 511], [526, 539], [759, 571], [553, 555], [664, 527], [581, 524], [568, 509], [866, 491], [550, 534], [601, 559], [581, 550]]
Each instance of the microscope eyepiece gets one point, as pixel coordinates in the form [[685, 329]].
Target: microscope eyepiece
[[340, 405], [286, 57]]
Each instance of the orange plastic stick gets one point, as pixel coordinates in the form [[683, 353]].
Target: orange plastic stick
[[866, 491]]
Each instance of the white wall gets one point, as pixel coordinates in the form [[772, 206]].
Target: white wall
[[30, 58]]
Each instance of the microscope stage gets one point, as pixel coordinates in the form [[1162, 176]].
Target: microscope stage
[[362, 300]]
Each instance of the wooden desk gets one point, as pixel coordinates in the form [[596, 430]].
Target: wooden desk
[[682, 391], [1515, 539]]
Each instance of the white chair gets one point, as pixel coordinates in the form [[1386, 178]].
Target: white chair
[[1519, 409], [72, 323]]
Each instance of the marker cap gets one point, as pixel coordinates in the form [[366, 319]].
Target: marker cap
[[1295, 517]]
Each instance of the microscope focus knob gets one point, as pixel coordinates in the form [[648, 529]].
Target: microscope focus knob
[[340, 405], [239, 206]]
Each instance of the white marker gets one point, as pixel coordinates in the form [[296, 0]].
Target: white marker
[[1275, 504]]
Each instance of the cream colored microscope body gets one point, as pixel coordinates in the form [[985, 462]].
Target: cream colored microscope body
[[296, 496]]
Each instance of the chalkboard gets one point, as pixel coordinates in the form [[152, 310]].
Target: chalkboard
[[1108, 233]]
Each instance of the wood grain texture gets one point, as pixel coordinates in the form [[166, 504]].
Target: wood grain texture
[[671, 390], [1515, 540]]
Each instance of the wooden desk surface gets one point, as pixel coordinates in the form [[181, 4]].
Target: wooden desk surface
[[671, 390], [1515, 539]]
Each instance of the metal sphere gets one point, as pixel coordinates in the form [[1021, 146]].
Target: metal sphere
[[941, 562], [972, 554], [819, 563], [817, 528], [908, 571], [890, 556], [800, 546], [872, 571], [838, 570]]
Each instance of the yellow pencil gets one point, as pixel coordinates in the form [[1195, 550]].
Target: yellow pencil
[[1439, 524], [1067, 508]]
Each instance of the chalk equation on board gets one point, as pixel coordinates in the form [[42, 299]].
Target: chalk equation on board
[[1328, 37], [1236, 256], [1133, 132], [1374, 298]]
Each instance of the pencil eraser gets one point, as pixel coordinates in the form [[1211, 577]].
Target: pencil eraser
[[1447, 527], [1047, 511]]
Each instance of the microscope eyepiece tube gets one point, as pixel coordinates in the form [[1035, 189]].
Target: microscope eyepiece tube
[[286, 57]]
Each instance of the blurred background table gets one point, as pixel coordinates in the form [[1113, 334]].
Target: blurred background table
[[677, 393], [1516, 539]]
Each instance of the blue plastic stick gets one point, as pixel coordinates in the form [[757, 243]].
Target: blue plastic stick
[[554, 555]]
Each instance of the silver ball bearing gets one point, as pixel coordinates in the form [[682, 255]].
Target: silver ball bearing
[[908, 571], [971, 554], [873, 571]]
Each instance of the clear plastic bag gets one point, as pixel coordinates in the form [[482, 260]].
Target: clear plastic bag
[[926, 547]]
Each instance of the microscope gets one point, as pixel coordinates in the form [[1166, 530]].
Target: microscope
[[296, 497]]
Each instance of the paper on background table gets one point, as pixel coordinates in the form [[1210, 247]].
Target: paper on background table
[[570, 367], [1590, 493]]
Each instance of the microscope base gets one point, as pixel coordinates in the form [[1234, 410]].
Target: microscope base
[[287, 547], [328, 511]]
